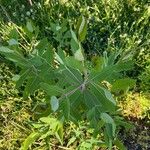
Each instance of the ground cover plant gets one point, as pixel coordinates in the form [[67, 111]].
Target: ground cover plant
[[71, 62]]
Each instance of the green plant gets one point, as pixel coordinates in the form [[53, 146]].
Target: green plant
[[135, 105], [73, 85], [144, 78]]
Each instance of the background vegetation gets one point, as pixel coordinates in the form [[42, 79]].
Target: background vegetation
[[121, 26]]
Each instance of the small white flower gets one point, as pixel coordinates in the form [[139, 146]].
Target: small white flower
[[14, 14], [33, 17], [22, 15], [139, 41], [23, 6], [28, 13], [39, 5]]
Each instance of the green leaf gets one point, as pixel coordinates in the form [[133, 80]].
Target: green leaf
[[14, 56], [13, 42], [74, 46], [54, 103], [13, 34], [112, 58], [91, 100], [108, 71], [102, 74], [15, 77], [51, 89], [79, 55], [42, 46], [59, 137], [120, 144], [72, 75], [82, 28], [48, 120], [74, 36], [104, 96], [74, 63], [66, 108], [29, 26], [122, 84], [45, 50], [106, 118], [109, 96], [31, 85], [61, 53], [110, 125], [23, 75], [71, 141], [123, 66], [45, 135], [59, 134], [98, 63], [59, 59], [29, 140], [49, 54]]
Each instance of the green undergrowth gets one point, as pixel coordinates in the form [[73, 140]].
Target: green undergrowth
[[14, 112], [16, 118]]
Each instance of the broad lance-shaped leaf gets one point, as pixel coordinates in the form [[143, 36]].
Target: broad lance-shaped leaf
[[29, 26], [72, 104], [91, 100], [110, 127], [54, 103], [72, 75], [74, 63], [29, 140], [122, 84], [13, 42], [42, 46], [48, 120], [109, 121], [66, 108], [31, 85], [59, 59], [74, 36], [51, 89], [104, 96], [55, 126], [82, 28], [74, 45], [119, 144], [23, 75], [109, 70], [14, 56], [45, 50], [106, 118], [79, 55]]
